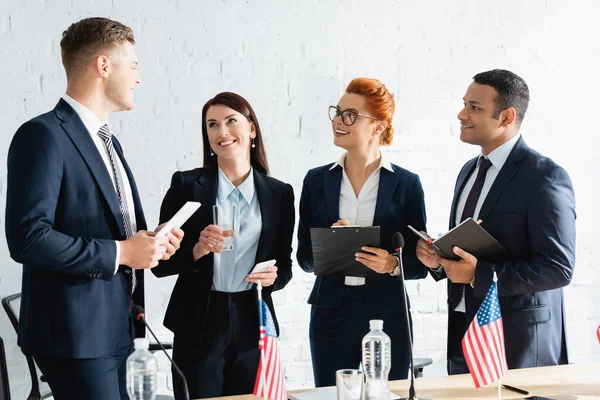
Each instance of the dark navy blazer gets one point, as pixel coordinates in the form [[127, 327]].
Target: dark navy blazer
[[530, 210], [62, 218], [188, 306], [400, 202]]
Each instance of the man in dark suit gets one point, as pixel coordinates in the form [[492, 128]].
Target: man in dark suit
[[72, 214], [526, 202]]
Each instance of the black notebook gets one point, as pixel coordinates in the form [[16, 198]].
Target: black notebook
[[334, 249], [470, 237]]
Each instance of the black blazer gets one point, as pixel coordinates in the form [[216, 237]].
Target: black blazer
[[186, 313], [400, 202], [62, 218], [530, 210]]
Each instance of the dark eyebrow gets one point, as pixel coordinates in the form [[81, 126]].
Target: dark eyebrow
[[229, 116], [472, 101], [348, 109]]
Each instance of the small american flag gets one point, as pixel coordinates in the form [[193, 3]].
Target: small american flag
[[270, 382], [483, 344]]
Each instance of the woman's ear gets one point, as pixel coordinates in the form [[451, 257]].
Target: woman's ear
[[381, 127]]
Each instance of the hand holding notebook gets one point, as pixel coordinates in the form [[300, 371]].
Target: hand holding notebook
[[470, 237]]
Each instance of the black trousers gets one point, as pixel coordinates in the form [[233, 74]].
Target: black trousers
[[91, 378], [457, 328], [225, 360], [336, 337]]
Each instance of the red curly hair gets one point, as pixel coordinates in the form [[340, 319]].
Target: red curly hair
[[380, 103]]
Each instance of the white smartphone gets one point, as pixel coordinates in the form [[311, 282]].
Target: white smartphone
[[179, 218], [262, 266]]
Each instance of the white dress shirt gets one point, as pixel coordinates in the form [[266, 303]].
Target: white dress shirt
[[497, 157], [93, 124], [359, 210]]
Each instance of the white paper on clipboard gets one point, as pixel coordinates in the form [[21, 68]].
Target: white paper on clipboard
[[179, 218]]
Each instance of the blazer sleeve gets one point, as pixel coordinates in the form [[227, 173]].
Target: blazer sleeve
[[35, 175], [304, 253], [551, 233], [285, 234], [183, 259], [415, 216]]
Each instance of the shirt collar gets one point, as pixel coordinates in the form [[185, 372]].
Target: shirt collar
[[225, 187], [384, 162], [500, 154], [89, 119]]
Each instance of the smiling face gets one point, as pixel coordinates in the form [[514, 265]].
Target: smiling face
[[362, 132], [229, 133], [122, 78], [480, 124]]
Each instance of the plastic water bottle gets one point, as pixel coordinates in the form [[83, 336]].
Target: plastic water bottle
[[141, 372], [377, 362]]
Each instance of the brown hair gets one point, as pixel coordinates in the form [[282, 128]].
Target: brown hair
[[258, 156], [82, 41], [380, 103]]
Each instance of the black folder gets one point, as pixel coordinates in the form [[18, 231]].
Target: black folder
[[334, 249], [469, 236]]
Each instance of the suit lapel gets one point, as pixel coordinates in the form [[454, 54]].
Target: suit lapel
[[205, 191], [388, 182], [332, 183], [509, 169], [267, 200], [460, 184], [78, 133]]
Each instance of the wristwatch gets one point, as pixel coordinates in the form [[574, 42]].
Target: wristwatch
[[397, 271]]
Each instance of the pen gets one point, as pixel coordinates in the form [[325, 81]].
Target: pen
[[514, 389]]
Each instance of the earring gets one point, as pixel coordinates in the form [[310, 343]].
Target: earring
[[253, 145], [211, 152]]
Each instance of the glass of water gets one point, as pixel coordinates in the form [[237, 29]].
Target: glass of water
[[349, 384], [224, 217]]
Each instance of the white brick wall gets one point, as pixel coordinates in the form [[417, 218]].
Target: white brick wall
[[291, 61]]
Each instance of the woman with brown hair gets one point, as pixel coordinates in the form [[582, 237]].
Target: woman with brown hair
[[213, 310], [364, 188]]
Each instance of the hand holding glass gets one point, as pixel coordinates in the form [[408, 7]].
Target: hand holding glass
[[224, 217]]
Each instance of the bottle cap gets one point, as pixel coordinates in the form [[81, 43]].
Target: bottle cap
[[376, 324], [141, 343]]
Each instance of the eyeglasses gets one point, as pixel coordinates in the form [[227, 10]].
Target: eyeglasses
[[348, 116]]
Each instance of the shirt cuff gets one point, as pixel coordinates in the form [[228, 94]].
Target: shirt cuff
[[118, 257]]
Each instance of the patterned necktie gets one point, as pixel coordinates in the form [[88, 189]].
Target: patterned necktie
[[106, 137], [468, 211]]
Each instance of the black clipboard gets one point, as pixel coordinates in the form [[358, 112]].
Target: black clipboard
[[469, 236], [334, 249]]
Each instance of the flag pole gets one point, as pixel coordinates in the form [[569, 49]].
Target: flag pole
[[262, 348], [499, 389], [495, 279]]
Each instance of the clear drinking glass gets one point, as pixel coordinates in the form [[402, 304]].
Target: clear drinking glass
[[349, 384], [225, 218]]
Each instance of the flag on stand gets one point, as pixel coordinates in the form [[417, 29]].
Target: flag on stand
[[483, 344], [270, 381]]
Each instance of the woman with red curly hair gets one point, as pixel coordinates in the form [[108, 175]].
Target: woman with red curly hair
[[364, 188]]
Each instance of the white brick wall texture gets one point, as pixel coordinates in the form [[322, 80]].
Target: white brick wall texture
[[291, 60]]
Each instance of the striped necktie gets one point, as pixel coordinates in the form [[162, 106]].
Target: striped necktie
[[106, 137]]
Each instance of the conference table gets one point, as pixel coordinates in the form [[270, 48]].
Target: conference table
[[573, 381]]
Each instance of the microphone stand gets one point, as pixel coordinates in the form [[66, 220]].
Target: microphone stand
[[186, 392], [411, 390]]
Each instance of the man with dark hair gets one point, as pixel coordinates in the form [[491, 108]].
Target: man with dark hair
[[72, 214], [526, 202]]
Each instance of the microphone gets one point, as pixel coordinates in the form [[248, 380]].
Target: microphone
[[398, 243], [137, 312]]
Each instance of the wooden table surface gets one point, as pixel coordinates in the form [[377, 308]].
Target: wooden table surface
[[574, 381]]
